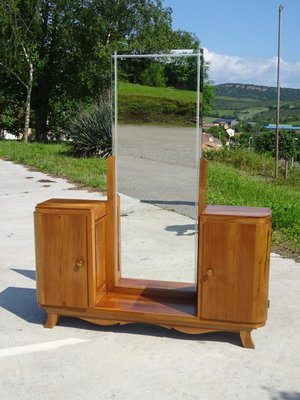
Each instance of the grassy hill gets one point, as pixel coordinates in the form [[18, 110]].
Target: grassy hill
[[168, 106], [256, 92], [148, 105], [256, 103]]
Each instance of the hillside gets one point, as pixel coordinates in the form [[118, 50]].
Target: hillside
[[140, 104], [256, 92]]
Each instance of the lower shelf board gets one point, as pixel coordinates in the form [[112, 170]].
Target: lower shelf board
[[148, 304]]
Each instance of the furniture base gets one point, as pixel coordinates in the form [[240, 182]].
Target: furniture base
[[245, 335]]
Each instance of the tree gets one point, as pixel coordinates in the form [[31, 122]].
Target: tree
[[265, 143], [61, 52], [18, 46], [75, 46]]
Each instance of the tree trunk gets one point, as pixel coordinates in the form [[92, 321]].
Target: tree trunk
[[41, 126], [286, 168], [40, 100], [28, 101]]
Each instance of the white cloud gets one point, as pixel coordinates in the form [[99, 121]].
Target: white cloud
[[234, 69]]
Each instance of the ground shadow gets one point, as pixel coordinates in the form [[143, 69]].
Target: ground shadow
[[282, 395], [170, 202], [25, 272], [22, 302], [152, 330], [182, 230], [286, 396]]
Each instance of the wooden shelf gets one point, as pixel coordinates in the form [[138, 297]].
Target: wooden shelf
[[150, 304]]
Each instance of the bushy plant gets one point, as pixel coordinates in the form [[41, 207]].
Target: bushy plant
[[90, 132], [244, 160], [265, 143]]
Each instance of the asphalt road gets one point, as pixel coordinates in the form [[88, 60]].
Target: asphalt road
[[158, 165]]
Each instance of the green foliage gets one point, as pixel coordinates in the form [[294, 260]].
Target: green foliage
[[153, 75], [18, 59], [90, 131], [244, 160], [70, 43], [266, 142], [219, 133], [154, 110], [181, 73]]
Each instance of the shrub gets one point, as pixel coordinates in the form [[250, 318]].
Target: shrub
[[266, 143], [244, 160], [90, 132]]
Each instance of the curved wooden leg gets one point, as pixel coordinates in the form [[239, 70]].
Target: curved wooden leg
[[247, 339], [51, 320]]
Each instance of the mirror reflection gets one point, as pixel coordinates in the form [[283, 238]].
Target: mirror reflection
[[156, 145]]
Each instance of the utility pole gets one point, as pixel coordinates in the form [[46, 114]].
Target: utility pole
[[278, 94]]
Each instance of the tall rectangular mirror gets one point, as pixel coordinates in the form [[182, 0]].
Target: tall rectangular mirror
[[156, 142]]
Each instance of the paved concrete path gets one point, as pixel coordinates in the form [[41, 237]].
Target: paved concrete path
[[158, 165], [76, 360]]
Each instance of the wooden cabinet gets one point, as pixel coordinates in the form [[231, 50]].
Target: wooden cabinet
[[79, 271], [70, 241], [234, 264]]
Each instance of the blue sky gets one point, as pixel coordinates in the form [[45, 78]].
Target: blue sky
[[240, 38]]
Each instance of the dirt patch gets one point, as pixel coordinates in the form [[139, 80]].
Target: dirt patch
[[286, 252], [46, 181]]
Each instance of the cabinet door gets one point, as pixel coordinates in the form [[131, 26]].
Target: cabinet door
[[61, 259], [234, 276]]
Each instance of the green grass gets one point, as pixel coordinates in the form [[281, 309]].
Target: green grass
[[131, 89], [147, 110], [229, 186], [239, 177], [141, 104], [147, 105], [54, 159], [226, 184], [248, 113]]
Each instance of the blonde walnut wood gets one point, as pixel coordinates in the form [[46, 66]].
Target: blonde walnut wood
[[111, 227], [246, 340], [234, 265], [103, 322], [52, 320], [192, 331], [78, 266], [202, 185]]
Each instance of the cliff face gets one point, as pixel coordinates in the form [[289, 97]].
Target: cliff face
[[243, 90]]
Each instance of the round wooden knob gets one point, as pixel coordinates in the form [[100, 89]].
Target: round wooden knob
[[210, 272], [78, 265]]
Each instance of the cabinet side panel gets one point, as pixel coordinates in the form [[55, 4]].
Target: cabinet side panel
[[100, 233], [39, 258], [261, 273]]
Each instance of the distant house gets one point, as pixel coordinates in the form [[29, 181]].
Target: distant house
[[284, 127], [225, 121]]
